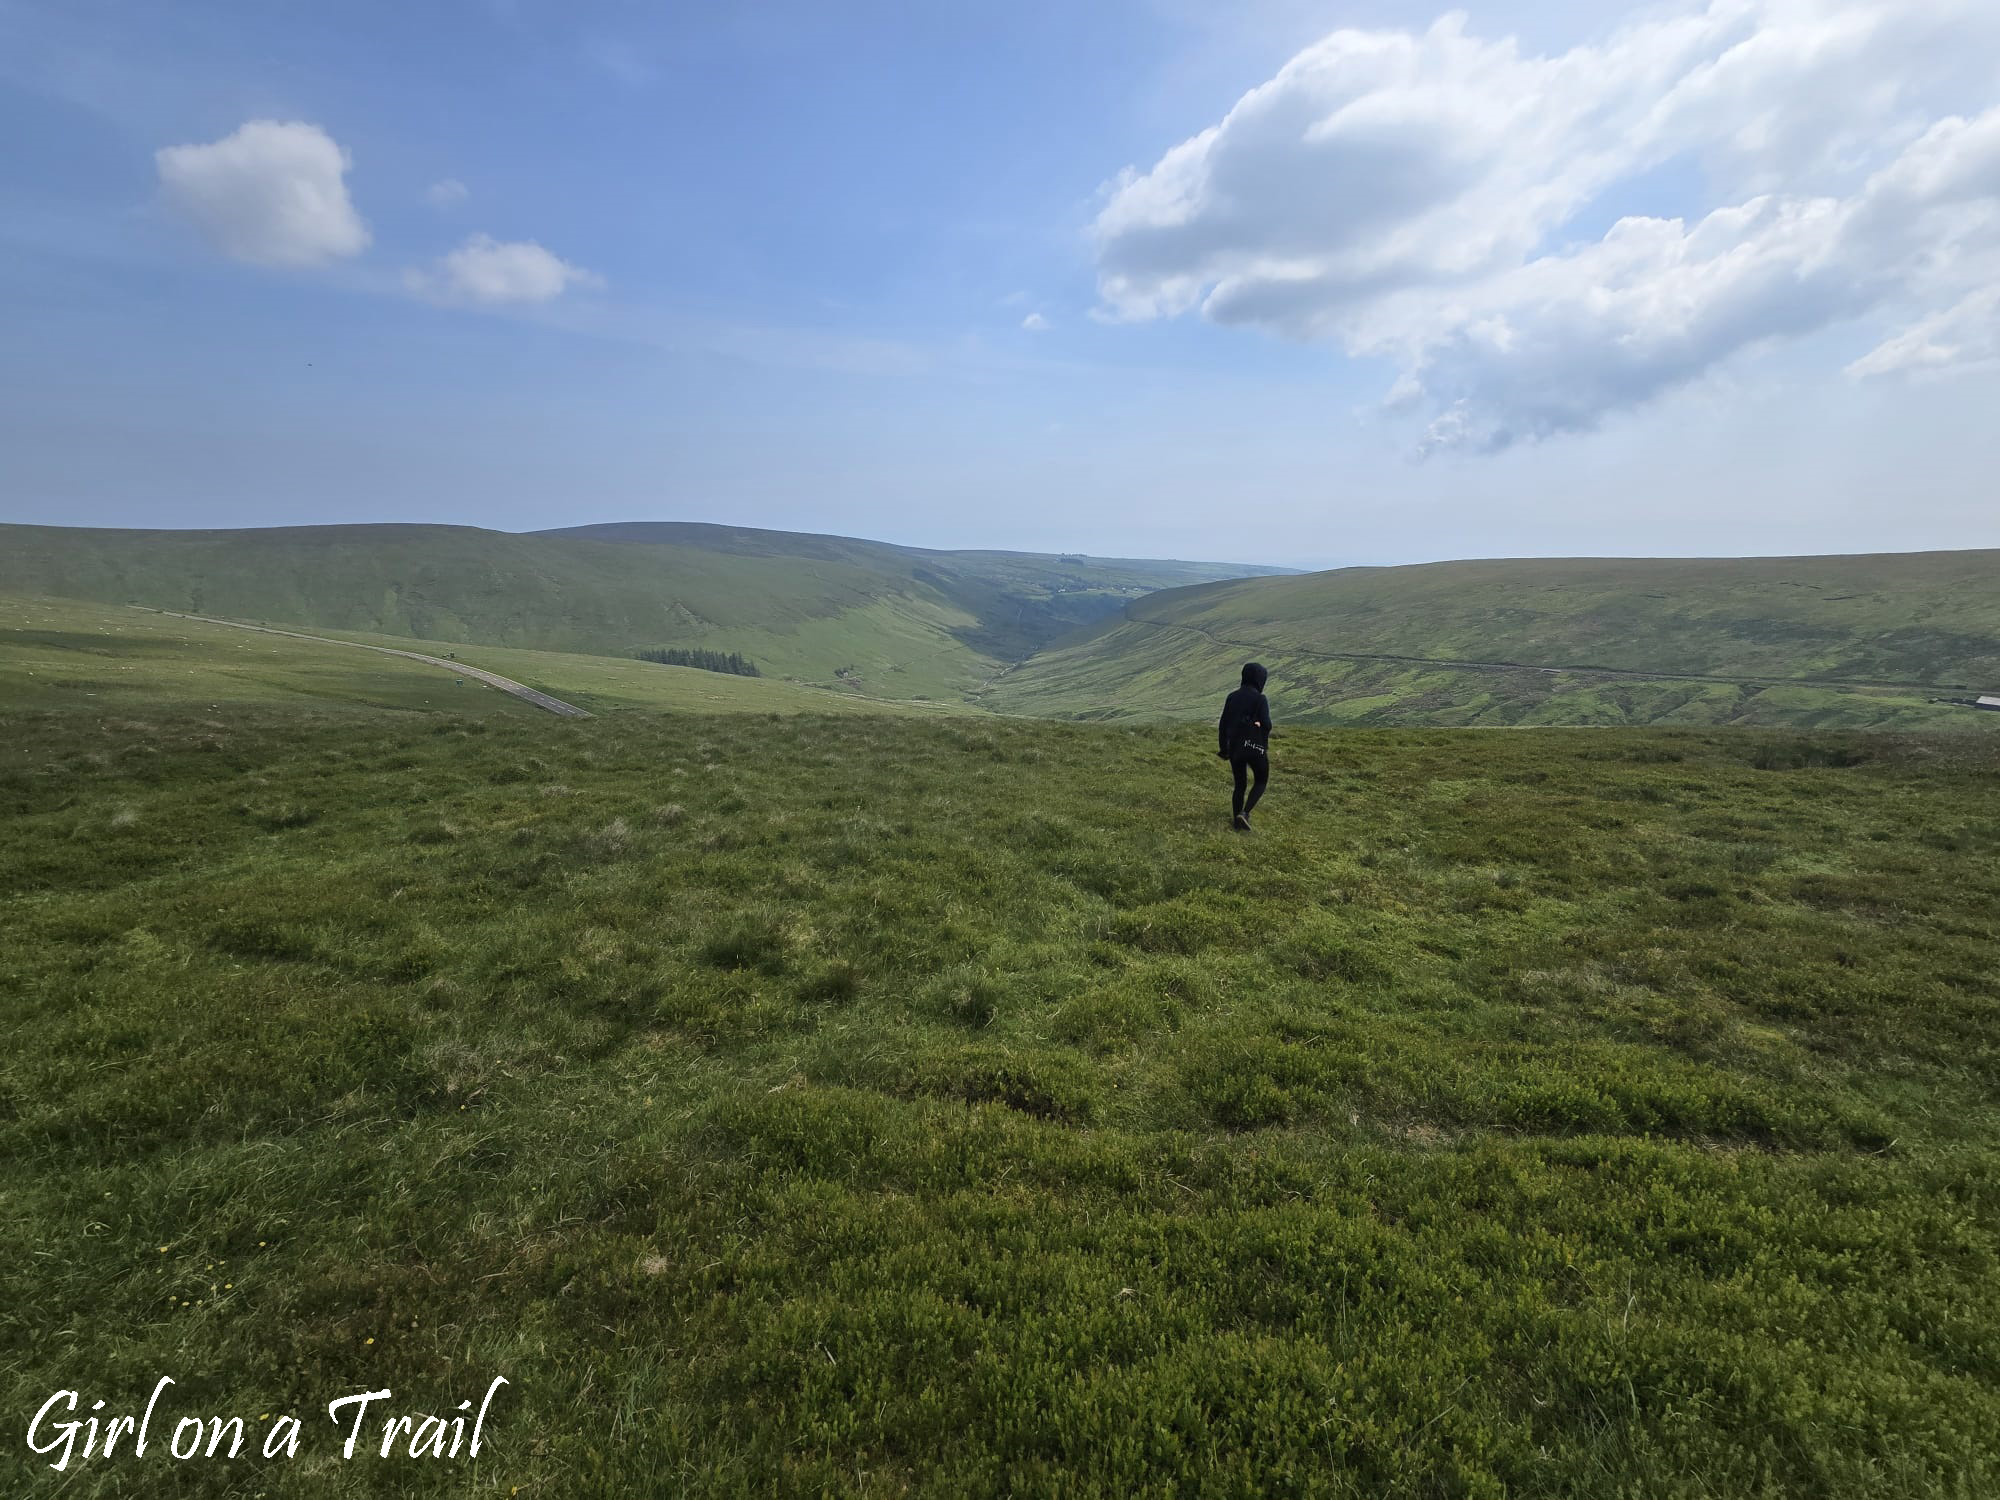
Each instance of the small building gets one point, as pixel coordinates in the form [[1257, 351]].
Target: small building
[[1987, 702]]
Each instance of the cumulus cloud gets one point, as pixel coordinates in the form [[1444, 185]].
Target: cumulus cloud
[[448, 193], [490, 271], [1440, 200], [1035, 323], [272, 194]]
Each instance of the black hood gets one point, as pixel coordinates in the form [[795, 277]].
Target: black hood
[[1255, 676]]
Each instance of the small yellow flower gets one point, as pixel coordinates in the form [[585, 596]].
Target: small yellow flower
[[163, 1249], [368, 1341], [228, 1286]]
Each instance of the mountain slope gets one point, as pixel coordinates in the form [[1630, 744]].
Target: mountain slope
[[1856, 641], [70, 654], [867, 617], [1022, 601]]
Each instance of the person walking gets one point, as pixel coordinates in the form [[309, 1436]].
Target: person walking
[[1243, 739]]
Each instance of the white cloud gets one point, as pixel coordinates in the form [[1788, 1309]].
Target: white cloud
[[273, 194], [486, 270], [1963, 337], [1423, 197], [1035, 323], [448, 193]]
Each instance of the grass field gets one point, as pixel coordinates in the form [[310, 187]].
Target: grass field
[[870, 1106], [601, 683], [1814, 642], [64, 653], [874, 619]]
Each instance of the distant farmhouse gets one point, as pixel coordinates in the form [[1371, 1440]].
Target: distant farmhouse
[[1989, 702]]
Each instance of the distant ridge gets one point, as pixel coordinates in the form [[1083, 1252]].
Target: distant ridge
[[756, 541], [1872, 641], [1860, 641], [863, 617]]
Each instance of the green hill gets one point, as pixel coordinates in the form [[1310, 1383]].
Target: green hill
[[1537, 1114], [1833, 641], [1021, 600], [865, 617], [1837, 642], [70, 654]]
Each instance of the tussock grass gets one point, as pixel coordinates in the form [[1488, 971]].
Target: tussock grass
[[957, 1107]]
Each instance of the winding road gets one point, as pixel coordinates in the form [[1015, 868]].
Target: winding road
[[492, 679]]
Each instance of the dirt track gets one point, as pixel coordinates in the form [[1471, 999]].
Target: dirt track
[[492, 679]]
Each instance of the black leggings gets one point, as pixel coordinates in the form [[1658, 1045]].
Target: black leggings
[[1242, 765]]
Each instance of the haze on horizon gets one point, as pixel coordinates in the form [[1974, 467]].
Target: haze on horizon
[[1308, 284]]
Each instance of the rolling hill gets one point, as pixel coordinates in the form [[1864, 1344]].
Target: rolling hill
[[1022, 600], [1832, 642], [866, 617], [73, 655], [1854, 642]]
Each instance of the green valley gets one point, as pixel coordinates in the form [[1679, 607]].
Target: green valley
[[580, 920], [792, 1090], [1829, 642], [863, 617]]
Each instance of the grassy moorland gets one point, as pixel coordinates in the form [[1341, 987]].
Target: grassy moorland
[[883, 1107], [1809, 643], [874, 619], [1813, 642], [68, 654]]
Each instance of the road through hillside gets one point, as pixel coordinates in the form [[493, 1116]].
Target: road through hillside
[[492, 679], [1520, 666]]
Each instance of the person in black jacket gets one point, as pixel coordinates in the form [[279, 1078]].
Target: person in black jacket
[[1243, 737]]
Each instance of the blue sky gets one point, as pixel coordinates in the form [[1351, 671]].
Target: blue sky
[[1276, 281]]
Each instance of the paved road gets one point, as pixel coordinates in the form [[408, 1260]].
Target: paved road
[[493, 679]]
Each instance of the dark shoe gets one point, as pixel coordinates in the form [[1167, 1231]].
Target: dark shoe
[[1242, 823]]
